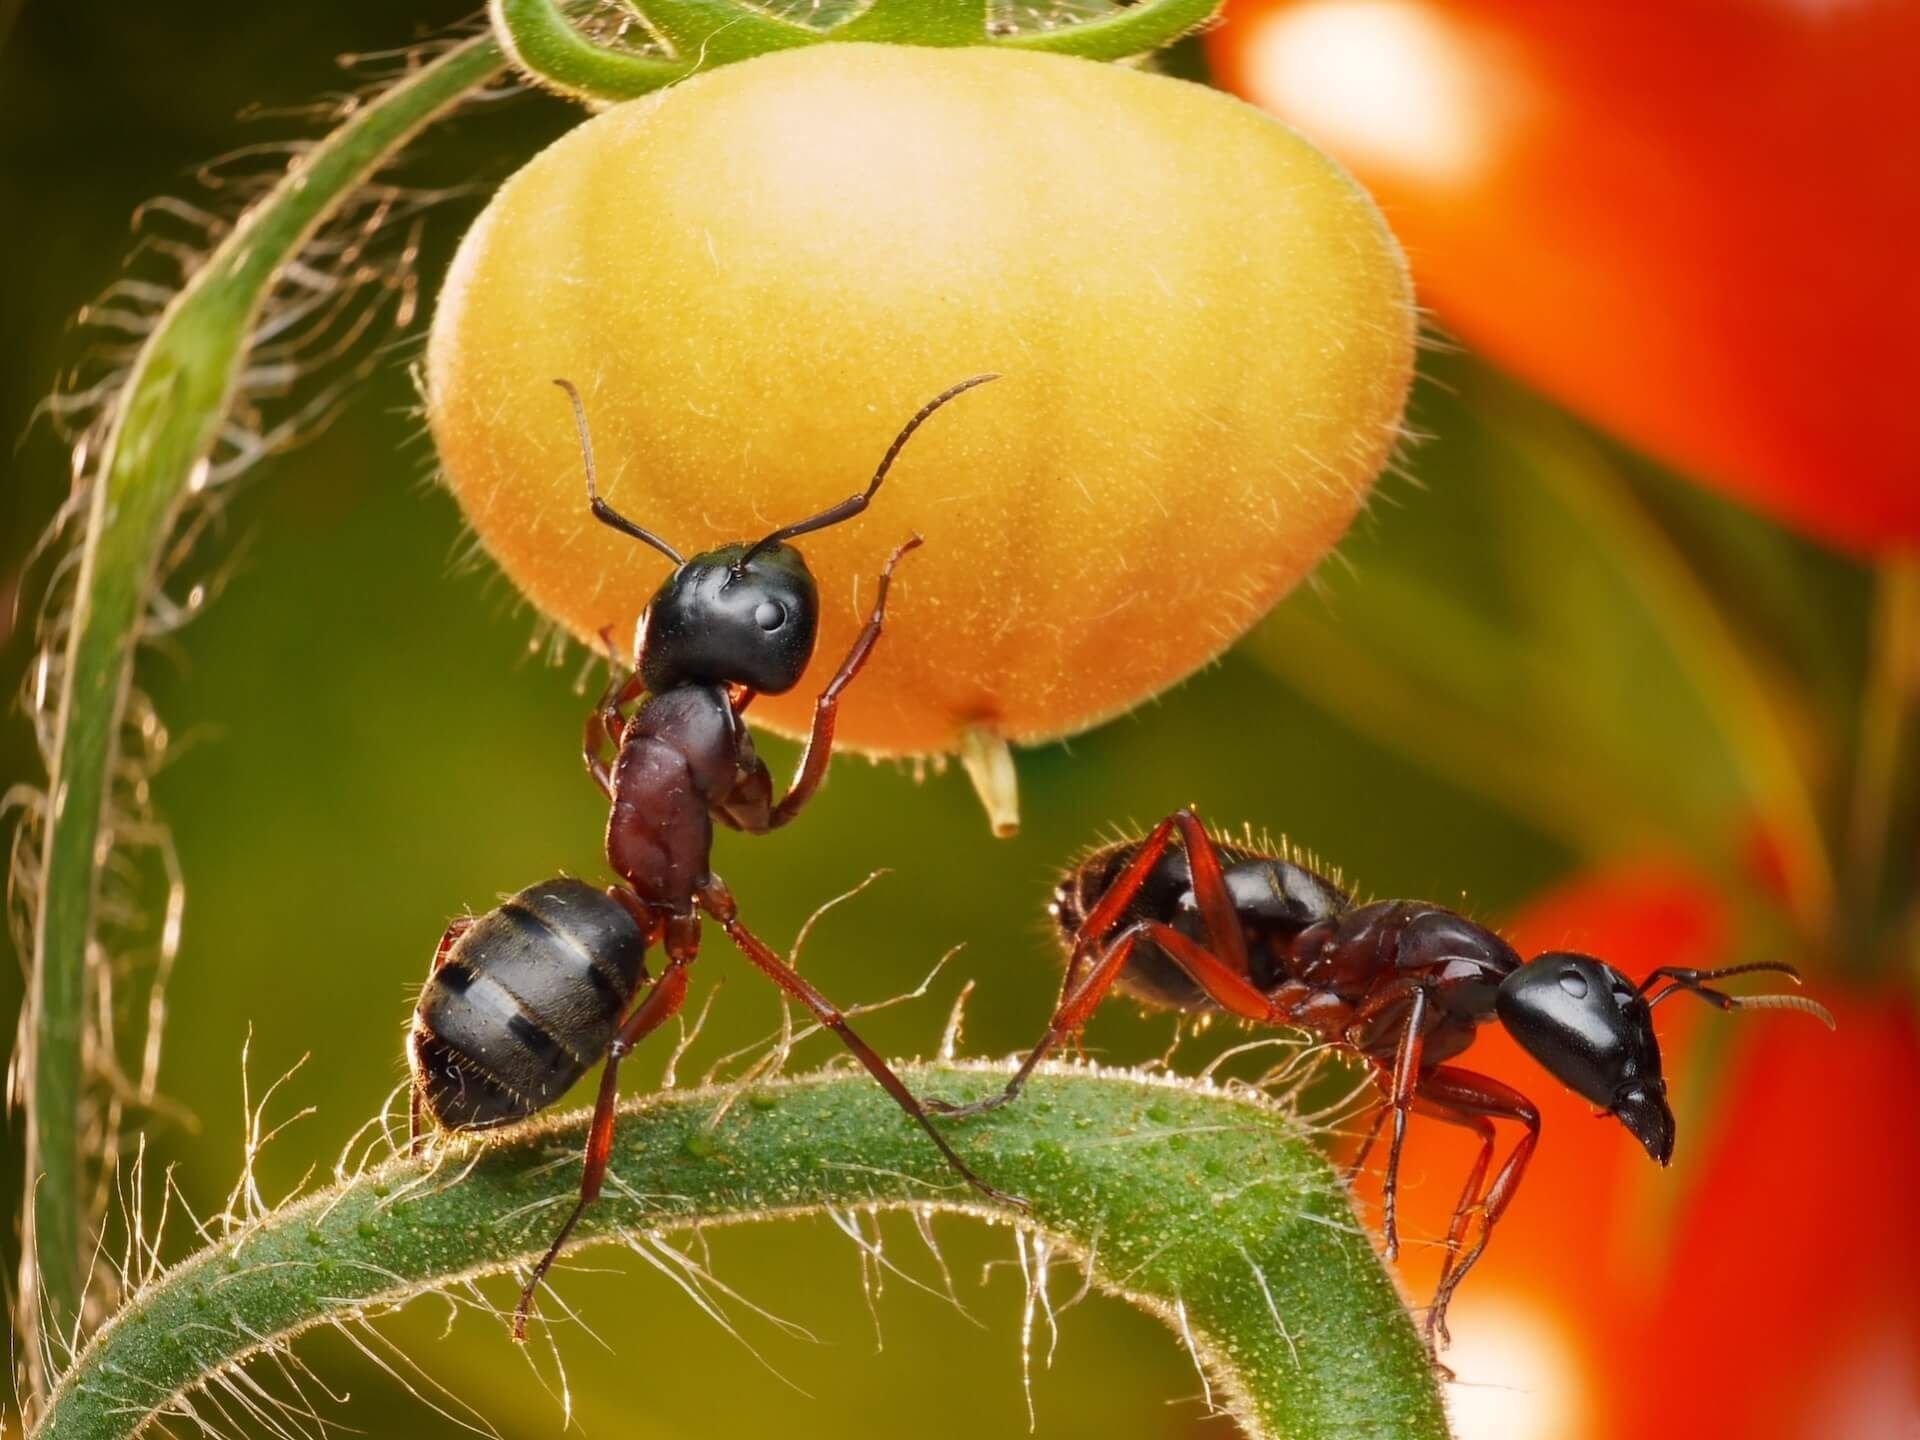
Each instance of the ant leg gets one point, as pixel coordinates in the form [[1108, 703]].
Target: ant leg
[[1406, 1077], [826, 709], [1471, 1094], [1226, 987], [1077, 998], [605, 727], [1068, 1020], [1219, 920], [1359, 1161], [660, 1004], [448, 939], [717, 901], [1463, 1209]]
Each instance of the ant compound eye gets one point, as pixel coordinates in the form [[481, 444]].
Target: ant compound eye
[[769, 614], [1574, 983]]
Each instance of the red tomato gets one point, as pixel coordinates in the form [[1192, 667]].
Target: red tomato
[[1791, 1309], [1691, 221]]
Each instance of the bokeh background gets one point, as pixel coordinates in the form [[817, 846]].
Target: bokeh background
[[1551, 677]]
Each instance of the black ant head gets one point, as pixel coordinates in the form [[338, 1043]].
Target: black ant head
[[733, 616], [742, 614], [1592, 1028]]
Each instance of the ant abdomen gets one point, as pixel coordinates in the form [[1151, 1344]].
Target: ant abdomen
[[523, 1002]]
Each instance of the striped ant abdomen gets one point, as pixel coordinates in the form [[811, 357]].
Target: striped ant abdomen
[[522, 1001]]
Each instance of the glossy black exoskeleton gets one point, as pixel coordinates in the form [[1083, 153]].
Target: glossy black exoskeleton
[[726, 625], [1213, 925], [521, 1002]]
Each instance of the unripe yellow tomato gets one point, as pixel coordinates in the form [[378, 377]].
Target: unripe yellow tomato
[[1203, 328]]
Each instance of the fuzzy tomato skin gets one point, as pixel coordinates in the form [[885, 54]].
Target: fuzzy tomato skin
[[1204, 329], [1690, 221]]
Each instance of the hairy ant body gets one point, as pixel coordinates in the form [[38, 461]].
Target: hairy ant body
[[1218, 926], [725, 626]]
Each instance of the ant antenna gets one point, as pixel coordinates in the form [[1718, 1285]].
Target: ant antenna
[[1692, 981], [854, 504], [602, 511]]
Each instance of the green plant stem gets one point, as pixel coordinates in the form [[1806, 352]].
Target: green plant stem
[[705, 34], [546, 47], [167, 420], [1214, 1212]]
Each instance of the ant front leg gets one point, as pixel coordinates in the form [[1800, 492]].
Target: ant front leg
[[605, 726], [826, 709], [718, 902], [662, 1002]]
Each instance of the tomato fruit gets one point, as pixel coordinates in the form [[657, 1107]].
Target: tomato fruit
[[1690, 221], [1203, 327]]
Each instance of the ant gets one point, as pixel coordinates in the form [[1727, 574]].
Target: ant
[[522, 1001], [1220, 926]]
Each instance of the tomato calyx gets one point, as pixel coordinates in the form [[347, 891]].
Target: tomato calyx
[[696, 35]]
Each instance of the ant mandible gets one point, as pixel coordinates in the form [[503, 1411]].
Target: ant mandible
[[725, 626], [1220, 926]]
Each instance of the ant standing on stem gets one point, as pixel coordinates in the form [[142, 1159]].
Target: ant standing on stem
[[1404, 985], [521, 1001]]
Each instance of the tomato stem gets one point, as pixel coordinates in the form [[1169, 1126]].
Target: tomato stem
[[704, 34]]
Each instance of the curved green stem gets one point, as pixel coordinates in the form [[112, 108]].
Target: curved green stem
[[1215, 1212], [707, 33], [546, 47], [1126, 32], [168, 417]]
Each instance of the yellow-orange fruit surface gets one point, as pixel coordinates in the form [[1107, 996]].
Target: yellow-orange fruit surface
[[1203, 326]]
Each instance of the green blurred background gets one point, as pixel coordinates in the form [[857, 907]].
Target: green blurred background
[[366, 743]]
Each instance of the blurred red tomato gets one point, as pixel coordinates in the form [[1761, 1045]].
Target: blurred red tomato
[[1791, 1309], [1691, 220]]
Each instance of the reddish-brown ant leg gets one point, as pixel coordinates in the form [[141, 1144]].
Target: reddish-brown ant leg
[[1093, 930], [1469, 1193], [826, 709], [662, 1002], [1068, 1020], [1226, 987], [718, 901], [604, 726], [1405, 1079], [448, 938], [1472, 1094], [1220, 922], [1359, 1161]]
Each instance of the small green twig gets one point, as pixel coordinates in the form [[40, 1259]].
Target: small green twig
[[166, 421], [1211, 1210], [704, 34]]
